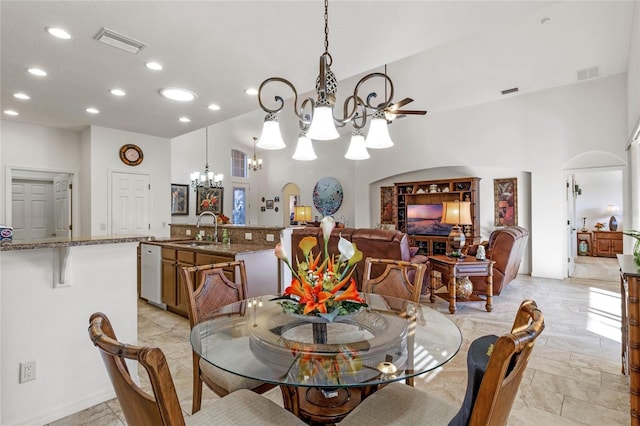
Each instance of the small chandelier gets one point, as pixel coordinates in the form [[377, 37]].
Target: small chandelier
[[317, 120], [255, 164], [206, 179]]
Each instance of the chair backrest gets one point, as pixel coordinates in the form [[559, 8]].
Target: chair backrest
[[214, 289], [399, 279], [138, 407], [506, 366]]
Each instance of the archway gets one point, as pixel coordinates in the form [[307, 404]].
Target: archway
[[290, 197]]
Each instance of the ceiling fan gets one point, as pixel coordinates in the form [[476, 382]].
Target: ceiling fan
[[393, 111]]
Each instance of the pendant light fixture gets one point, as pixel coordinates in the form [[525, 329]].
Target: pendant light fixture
[[318, 115], [255, 164], [206, 179]]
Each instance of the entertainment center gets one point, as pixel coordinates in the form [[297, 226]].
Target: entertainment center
[[417, 211]]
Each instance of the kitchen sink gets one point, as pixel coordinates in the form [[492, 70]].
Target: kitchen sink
[[196, 243]]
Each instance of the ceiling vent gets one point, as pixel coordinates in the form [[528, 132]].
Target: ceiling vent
[[507, 91], [120, 41], [587, 73]]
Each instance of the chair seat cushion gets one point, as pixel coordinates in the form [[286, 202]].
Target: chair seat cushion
[[243, 407], [230, 382], [399, 404]]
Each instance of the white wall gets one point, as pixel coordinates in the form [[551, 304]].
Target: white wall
[[50, 325], [105, 159]]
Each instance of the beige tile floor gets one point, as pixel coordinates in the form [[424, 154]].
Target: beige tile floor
[[573, 376]]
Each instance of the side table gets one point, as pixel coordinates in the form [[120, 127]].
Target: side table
[[453, 267], [587, 238]]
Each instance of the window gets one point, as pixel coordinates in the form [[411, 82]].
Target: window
[[238, 163]]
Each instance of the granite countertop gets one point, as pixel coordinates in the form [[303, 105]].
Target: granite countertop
[[68, 242], [209, 247]]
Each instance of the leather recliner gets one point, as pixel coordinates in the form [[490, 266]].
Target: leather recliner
[[506, 247], [376, 243]]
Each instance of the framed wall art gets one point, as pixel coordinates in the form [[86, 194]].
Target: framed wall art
[[209, 199], [179, 199], [505, 198], [386, 204]]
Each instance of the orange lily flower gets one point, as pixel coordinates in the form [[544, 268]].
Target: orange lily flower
[[351, 294]]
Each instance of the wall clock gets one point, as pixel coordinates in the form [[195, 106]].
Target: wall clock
[[131, 155]]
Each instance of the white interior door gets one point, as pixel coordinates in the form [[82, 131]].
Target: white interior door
[[62, 205], [31, 205], [130, 213]]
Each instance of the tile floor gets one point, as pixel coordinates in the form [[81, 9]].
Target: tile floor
[[573, 377]]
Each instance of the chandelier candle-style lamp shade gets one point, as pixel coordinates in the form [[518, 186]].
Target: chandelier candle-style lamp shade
[[206, 179], [255, 164], [456, 213], [318, 115], [613, 222], [302, 214]]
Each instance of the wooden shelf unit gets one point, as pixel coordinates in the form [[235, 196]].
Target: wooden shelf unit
[[419, 192], [586, 237]]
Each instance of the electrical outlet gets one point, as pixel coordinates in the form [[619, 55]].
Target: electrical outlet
[[188, 232], [27, 371], [270, 237], [247, 235], [202, 233]]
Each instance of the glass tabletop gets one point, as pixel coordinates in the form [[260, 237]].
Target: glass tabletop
[[390, 340]]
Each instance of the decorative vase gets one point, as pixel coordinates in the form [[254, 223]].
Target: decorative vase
[[464, 287]]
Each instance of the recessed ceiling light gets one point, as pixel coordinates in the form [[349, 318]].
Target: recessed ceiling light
[[58, 32], [10, 112], [92, 110], [176, 94], [214, 107], [118, 92], [37, 71], [22, 96], [184, 119], [153, 66], [251, 91]]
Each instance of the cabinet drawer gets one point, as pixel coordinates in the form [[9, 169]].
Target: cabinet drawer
[[208, 259], [187, 257], [169, 254]]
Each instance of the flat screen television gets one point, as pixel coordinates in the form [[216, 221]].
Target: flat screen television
[[424, 219]]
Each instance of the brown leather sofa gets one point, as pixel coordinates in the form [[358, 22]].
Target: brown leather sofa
[[505, 247], [376, 243]]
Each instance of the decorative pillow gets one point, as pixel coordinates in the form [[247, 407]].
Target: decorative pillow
[[413, 250]]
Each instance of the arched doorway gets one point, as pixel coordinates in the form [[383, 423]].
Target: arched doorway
[[290, 198]]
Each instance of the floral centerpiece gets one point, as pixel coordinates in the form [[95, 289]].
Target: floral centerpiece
[[322, 285]]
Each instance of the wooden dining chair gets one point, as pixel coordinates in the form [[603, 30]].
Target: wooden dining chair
[[395, 278], [495, 369], [162, 406], [215, 290]]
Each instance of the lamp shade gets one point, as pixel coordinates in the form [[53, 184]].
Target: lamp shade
[[378, 136], [271, 138], [302, 213], [323, 128], [304, 149], [456, 213], [357, 150]]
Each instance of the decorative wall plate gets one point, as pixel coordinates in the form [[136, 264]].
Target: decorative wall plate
[[327, 196], [131, 154]]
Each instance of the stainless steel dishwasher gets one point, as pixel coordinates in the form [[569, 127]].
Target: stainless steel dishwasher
[[151, 274]]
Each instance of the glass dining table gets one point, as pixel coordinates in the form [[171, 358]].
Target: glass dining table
[[324, 369]]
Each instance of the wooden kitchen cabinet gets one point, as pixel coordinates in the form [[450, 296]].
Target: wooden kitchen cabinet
[[607, 243]]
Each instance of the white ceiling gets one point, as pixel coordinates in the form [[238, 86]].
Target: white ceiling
[[457, 53]]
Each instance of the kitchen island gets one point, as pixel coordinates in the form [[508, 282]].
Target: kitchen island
[[48, 290]]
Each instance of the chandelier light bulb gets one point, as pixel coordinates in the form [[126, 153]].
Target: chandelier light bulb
[[271, 138], [357, 149], [304, 149], [378, 136], [323, 128]]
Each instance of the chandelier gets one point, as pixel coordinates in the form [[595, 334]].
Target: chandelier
[[206, 179], [254, 164], [317, 120]]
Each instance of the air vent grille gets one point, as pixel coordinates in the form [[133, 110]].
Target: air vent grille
[[120, 41], [507, 91]]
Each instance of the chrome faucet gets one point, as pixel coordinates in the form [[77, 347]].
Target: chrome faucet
[[215, 222]]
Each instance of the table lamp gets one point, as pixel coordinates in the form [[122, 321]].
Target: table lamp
[[302, 214], [613, 222], [456, 213]]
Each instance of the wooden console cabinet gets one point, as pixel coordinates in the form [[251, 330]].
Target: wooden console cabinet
[[630, 293], [607, 243], [435, 192]]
